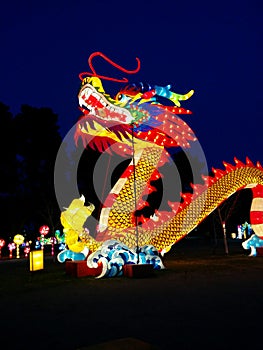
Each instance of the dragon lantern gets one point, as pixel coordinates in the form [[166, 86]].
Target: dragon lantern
[[137, 123]]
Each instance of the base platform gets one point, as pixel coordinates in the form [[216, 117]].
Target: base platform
[[79, 268], [259, 251], [137, 270]]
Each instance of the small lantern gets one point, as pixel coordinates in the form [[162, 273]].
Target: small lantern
[[18, 239], [43, 230], [2, 243], [11, 247], [36, 258]]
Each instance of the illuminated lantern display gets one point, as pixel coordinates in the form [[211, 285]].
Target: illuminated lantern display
[[26, 249], [244, 230], [36, 258], [38, 244], [137, 124], [2, 243], [60, 239], [43, 230], [18, 239], [53, 242], [239, 232], [11, 247]]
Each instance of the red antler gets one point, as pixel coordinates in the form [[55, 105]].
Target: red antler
[[94, 74]]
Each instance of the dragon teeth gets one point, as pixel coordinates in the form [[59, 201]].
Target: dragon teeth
[[89, 91]]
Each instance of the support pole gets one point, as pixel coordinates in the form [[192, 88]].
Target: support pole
[[224, 231], [135, 196]]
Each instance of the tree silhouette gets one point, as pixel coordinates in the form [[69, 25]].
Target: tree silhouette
[[8, 170], [29, 145], [8, 174]]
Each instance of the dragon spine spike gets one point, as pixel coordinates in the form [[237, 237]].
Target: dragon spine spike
[[219, 173], [249, 162], [258, 165], [238, 162], [228, 166], [198, 189], [207, 179]]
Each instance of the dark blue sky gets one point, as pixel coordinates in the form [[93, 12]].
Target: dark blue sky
[[212, 47]]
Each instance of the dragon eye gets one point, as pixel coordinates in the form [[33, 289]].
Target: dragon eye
[[119, 97]]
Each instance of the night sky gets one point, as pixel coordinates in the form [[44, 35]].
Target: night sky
[[212, 47]]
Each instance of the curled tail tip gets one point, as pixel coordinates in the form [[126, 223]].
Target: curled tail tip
[[189, 94]]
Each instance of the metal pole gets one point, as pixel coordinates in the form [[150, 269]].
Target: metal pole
[[135, 197], [224, 231]]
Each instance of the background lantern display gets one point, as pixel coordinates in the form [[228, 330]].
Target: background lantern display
[[26, 249], [43, 230], [11, 247], [2, 243], [18, 239]]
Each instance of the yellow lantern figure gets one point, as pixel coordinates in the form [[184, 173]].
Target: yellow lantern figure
[[18, 239], [36, 260]]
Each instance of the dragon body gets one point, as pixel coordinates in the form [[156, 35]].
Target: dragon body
[[137, 125]]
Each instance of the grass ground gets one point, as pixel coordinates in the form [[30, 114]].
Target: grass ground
[[203, 299]]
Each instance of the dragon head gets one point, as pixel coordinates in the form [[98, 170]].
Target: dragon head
[[108, 124]]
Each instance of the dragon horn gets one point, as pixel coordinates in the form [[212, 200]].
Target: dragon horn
[[175, 98]]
